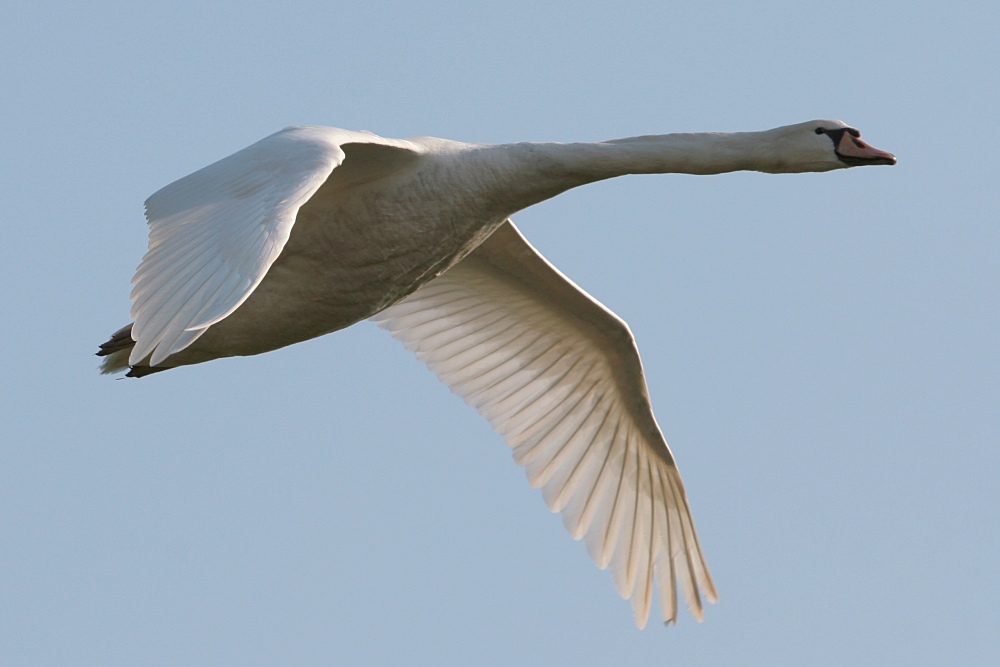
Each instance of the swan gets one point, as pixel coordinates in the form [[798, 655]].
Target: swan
[[312, 229]]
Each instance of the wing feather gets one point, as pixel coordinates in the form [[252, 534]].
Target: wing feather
[[214, 234], [559, 377]]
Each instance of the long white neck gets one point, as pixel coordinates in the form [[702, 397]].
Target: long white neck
[[703, 153], [528, 173]]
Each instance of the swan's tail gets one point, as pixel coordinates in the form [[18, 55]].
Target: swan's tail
[[116, 350]]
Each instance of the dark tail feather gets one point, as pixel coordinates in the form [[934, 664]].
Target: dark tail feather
[[120, 340], [143, 371], [116, 351]]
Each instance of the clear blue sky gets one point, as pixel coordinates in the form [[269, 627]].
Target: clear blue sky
[[823, 350]]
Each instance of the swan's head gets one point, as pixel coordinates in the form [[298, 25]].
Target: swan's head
[[821, 145]]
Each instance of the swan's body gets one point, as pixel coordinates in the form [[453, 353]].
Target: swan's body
[[313, 229]]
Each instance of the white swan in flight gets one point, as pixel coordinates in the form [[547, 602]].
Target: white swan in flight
[[314, 228]]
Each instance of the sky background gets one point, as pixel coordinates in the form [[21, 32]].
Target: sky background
[[822, 350]]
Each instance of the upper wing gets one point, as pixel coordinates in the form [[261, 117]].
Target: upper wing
[[558, 376], [214, 234]]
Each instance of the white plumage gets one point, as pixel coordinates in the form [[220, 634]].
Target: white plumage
[[312, 229]]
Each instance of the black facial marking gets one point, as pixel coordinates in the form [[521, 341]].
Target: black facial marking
[[835, 135]]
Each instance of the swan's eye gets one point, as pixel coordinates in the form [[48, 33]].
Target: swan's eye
[[820, 130]]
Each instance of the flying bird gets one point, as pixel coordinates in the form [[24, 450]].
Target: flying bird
[[312, 229]]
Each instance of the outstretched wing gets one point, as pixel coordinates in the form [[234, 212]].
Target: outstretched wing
[[558, 376], [214, 234]]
